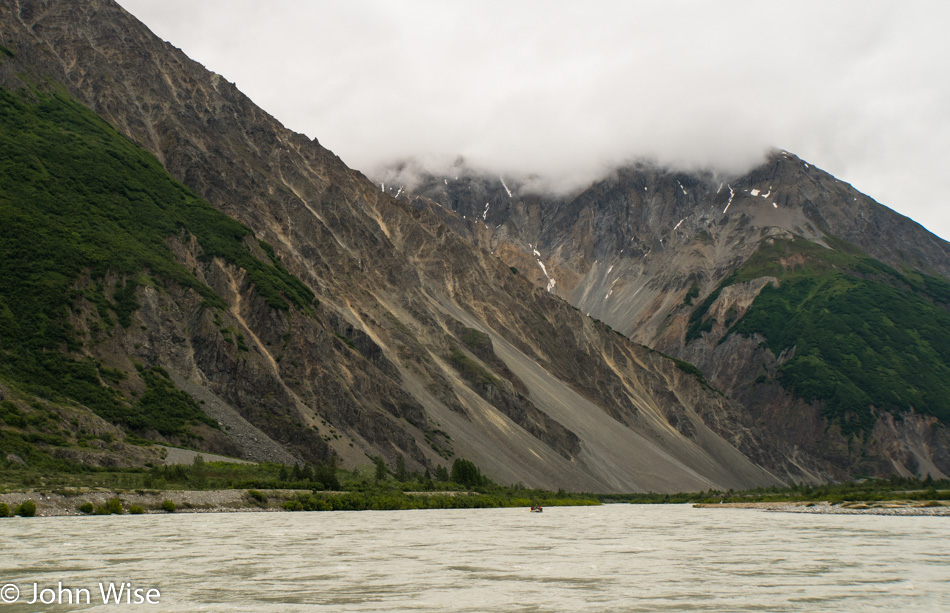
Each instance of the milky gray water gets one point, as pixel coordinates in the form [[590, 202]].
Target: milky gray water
[[610, 558]]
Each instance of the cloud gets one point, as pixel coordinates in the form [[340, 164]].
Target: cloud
[[565, 91]]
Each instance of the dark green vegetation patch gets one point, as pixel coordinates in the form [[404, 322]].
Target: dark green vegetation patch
[[863, 333], [85, 215], [470, 370]]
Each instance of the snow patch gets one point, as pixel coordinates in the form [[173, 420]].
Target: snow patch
[[682, 188], [551, 282], [754, 192], [774, 205], [536, 253], [766, 195], [485, 214], [731, 196], [720, 188], [612, 266], [382, 187], [446, 181], [678, 225], [399, 192], [505, 186]]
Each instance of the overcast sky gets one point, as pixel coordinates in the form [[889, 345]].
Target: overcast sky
[[566, 89]]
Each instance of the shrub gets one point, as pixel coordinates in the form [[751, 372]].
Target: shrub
[[257, 496], [26, 509], [293, 505], [136, 510], [114, 506], [4, 509], [86, 508], [168, 506]]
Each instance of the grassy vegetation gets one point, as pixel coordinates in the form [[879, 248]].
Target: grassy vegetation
[[692, 369], [866, 490], [85, 216], [29, 434], [476, 340], [470, 370], [389, 500], [325, 487], [692, 294], [865, 335]]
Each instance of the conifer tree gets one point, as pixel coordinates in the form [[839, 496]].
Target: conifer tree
[[401, 475]]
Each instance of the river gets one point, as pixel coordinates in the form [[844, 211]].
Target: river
[[610, 558]]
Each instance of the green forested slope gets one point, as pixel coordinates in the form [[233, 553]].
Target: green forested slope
[[78, 202], [863, 333]]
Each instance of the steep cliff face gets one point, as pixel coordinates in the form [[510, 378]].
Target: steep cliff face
[[417, 342], [677, 260]]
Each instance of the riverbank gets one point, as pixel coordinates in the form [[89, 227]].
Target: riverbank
[[884, 507], [62, 503], [85, 502]]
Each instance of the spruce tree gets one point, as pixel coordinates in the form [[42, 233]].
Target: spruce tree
[[381, 469], [401, 475]]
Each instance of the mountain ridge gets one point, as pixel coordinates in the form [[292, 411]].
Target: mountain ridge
[[651, 251], [384, 368]]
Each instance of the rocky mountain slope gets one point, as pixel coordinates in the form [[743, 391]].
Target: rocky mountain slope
[[821, 312], [330, 319]]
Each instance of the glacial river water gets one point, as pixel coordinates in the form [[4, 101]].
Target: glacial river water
[[610, 558]]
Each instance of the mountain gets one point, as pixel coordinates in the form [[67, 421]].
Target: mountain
[[820, 312], [180, 268]]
